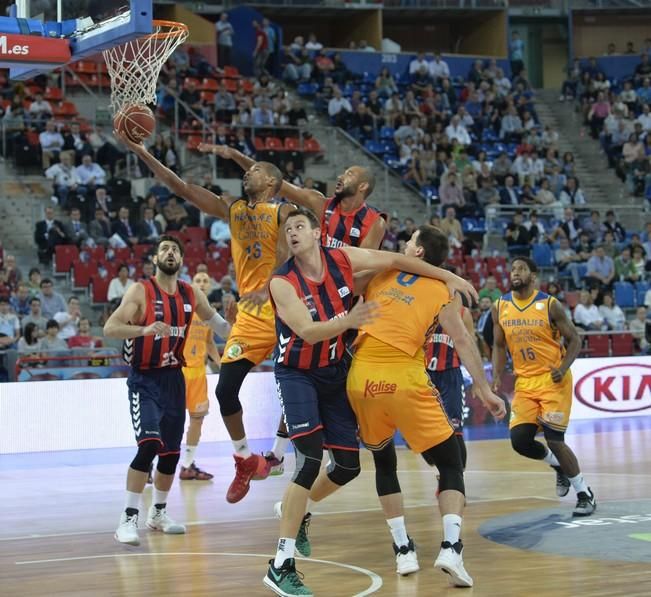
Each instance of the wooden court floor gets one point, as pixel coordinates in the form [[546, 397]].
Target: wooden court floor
[[57, 523]]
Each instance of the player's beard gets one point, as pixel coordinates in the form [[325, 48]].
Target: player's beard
[[346, 191], [169, 270], [519, 285]]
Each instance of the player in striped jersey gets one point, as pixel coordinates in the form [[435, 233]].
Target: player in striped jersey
[[153, 319]]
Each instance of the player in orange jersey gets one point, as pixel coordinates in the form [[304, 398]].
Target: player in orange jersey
[[257, 248], [199, 345], [389, 389], [530, 324]]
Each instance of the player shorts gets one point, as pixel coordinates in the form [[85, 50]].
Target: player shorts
[[157, 402], [389, 395], [252, 338], [452, 390], [196, 390], [314, 399], [541, 401]]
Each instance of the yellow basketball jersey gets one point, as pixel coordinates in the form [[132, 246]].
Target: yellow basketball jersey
[[532, 340], [408, 308], [195, 349], [254, 236]]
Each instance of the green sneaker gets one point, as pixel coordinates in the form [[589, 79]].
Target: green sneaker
[[302, 540], [286, 581]]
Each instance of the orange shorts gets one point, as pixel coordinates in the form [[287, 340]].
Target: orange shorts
[[541, 401], [252, 338], [396, 394], [196, 390]]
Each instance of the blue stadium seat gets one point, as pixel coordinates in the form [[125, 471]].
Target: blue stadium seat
[[375, 147], [307, 89], [431, 193], [387, 132], [624, 295], [542, 255]]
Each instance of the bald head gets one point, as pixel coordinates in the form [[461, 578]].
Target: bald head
[[272, 171]]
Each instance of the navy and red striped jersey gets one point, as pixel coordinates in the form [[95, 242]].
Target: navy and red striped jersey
[[154, 352], [346, 229], [326, 300], [440, 354]]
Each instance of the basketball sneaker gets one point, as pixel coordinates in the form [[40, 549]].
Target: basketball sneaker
[[286, 581], [450, 561], [158, 520], [194, 473], [303, 545], [562, 482], [406, 558], [127, 531], [586, 504], [246, 469], [276, 467]]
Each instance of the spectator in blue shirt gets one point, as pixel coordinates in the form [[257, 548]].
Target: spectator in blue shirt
[[601, 270], [516, 53]]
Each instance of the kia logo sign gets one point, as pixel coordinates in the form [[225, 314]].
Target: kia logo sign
[[616, 388]]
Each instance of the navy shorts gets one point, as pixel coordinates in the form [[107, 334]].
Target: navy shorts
[[157, 401], [450, 385], [314, 399]]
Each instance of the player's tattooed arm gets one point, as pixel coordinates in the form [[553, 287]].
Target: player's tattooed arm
[[499, 350], [570, 335]]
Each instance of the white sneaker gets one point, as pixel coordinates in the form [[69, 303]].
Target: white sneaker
[[158, 520], [127, 531], [406, 558], [450, 561]]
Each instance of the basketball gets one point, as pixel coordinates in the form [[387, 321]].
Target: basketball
[[136, 122]]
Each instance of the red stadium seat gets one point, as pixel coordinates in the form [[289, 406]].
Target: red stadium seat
[[496, 264], [64, 110], [195, 234], [189, 80], [247, 86], [311, 146], [82, 273], [192, 142], [274, 143], [293, 144], [86, 67], [121, 255], [139, 251], [207, 97], [598, 345], [194, 252], [64, 257], [96, 254], [99, 289], [622, 345], [209, 85], [258, 143], [231, 72]]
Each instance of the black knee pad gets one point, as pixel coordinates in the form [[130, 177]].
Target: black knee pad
[[551, 435], [145, 456], [386, 466], [309, 453], [446, 456], [231, 376], [344, 465], [523, 442], [167, 463]]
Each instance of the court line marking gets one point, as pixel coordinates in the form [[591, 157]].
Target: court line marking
[[267, 518], [376, 579]]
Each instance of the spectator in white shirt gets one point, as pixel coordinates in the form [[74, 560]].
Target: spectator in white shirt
[[439, 69], [69, 320], [417, 63], [455, 130], [645, 118], [51, 142], [312, 43], [220, 232], [39, 110], [523, 169], [90, 174], [638, 328], [119, 285], [339, 108], [612, 313], [65, 179], [586, 314], [502, 83]]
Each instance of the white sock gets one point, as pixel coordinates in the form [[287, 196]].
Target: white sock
[[550, 459], [159, 497], [241, 447], [451, 527], [133, 500], [188, 456], [280, 446], [285, 551], [398, 530], [579, 483]]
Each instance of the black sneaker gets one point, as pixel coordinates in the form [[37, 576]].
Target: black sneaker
[[562, 482], [406, 558], [585, 504], [286, 581]]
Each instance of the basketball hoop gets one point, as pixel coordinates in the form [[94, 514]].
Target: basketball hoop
[[134, 66]]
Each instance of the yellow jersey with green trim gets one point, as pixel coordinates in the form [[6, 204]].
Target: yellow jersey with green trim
[[531, 338]]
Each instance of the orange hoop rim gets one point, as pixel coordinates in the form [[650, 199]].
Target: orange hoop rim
[[174, 28]]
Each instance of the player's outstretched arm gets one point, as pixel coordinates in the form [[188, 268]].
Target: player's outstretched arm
[[375, 236], [208, 315], [293, 311], [499, 350], [119, 323], [205, 200], [304, 197], [370, 259], [453, 324], [570, 335]]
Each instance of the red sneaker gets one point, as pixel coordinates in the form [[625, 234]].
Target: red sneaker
[[245, 470]]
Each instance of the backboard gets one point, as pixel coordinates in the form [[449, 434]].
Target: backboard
[[45, 34]]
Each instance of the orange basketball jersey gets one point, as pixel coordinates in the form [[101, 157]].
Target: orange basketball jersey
[[195, 349], [408, 308], [532, 340], [254, 236]]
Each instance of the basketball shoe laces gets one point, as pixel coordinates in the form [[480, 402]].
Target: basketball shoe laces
[[242, 474], [292, 575]]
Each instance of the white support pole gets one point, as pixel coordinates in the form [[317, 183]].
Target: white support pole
[[59, 10], [22, 9]]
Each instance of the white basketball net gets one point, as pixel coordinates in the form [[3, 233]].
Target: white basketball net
[[134, 66]]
